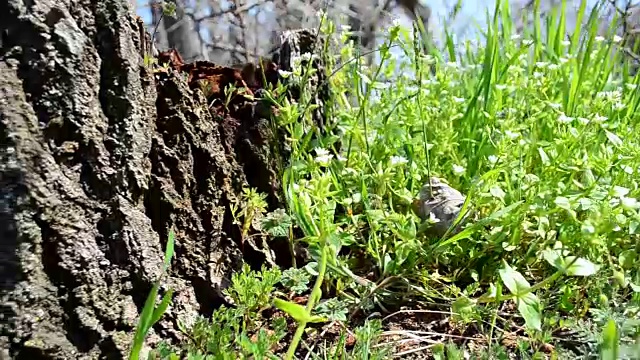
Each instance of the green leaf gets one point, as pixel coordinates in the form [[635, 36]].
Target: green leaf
[[162, 307], [143, 322], [528, 304], [615, 140], [463, 306], [553, 257], [543, 156], [168, 8], [530, 309], [513, 280], [277, 223], [627, 259], [317, 319], [609, 341], [168, 253], [147, 311], [296, 311], [563, 203], [581, 267]]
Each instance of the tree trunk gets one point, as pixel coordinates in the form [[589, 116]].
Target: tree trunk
[[181, 33], [158, 30], [99, 158]]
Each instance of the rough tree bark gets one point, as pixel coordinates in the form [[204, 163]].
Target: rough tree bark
[[99, 158]]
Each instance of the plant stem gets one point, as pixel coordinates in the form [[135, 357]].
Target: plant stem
[[316, 293], [292, 248]]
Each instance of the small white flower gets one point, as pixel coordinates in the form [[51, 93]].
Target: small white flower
[[428, 59], [583, 121], [618, 106], [458, 170], [628, 203], [554, 67], [537, 75], [396, 22], [614, 95], [587, 228], [512, 134], [515, 36], [501, 87], [433, 219], [599, 118], [285, 74], [458, 100], [555, 106], [296, 61], [565, 42], [452, 65], [564, 119], [542, 64], [527, 42], [599, 39], [620, 191], [323, 157], [398, 160], [616, 39], [324, 160], [492, 159]]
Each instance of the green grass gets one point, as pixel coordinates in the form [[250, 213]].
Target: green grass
[[540, 130]]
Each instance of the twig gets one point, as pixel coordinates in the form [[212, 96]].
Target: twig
[[232, 10], [419, 332], [414, 350]]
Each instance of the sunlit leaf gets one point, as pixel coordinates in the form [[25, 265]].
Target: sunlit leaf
[[296, 311], [609, 341], [513, 280], [530, 309], [581, 267]]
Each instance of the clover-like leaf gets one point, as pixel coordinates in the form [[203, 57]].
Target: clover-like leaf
[[277, 223]]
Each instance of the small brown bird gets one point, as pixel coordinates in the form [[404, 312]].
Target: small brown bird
[[440, 203]]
